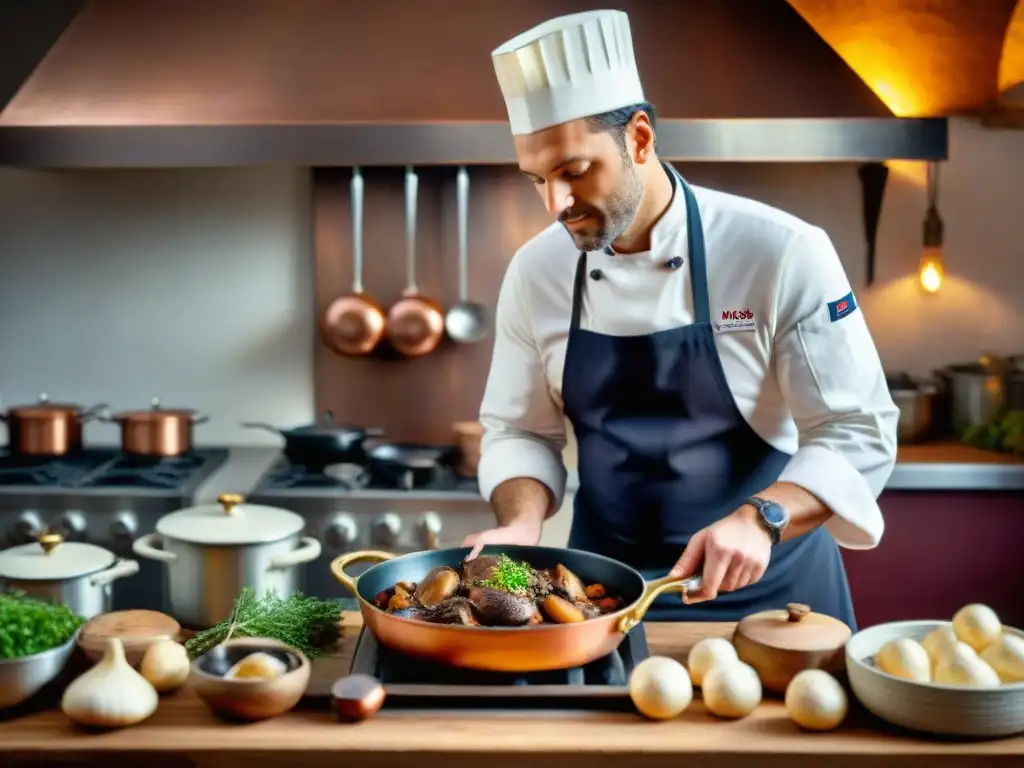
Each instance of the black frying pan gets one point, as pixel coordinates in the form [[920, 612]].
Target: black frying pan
[[317, 445], [408, 465]]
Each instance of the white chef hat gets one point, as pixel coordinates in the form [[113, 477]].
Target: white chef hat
[[566, 68]]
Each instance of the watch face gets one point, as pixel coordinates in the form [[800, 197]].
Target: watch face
[[774, 514]]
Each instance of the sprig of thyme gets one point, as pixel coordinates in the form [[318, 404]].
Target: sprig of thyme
[[306, 623], [509, 576]]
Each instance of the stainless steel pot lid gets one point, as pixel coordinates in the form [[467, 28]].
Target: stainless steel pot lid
[[53, 559], [230, 522]]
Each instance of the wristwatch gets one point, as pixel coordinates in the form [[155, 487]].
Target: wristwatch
[[773, 516]]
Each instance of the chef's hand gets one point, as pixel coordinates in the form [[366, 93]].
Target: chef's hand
[[734, 552], [525, 533]]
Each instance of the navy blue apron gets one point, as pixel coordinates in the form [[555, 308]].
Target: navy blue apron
[[665, 452]]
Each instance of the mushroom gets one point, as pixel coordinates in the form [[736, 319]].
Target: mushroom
[[437, 586], [568, 583]]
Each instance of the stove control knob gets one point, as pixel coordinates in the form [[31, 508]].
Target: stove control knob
[[430, 527], [71, 525], [341, 531], [124, 527], [386, 529], [26, 528]]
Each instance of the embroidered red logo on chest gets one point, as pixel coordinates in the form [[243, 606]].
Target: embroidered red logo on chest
[[737, 314]]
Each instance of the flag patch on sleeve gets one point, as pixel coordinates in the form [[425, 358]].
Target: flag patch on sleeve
[[840, 308]]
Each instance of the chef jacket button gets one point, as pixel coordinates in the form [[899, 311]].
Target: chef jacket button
[[674, 263], [596, 274]]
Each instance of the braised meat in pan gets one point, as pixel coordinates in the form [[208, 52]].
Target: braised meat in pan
[[497, 591]]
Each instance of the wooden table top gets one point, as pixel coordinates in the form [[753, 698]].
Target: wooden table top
[[184, 732]]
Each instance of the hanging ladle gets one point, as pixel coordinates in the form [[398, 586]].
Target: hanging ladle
[[466, 321]]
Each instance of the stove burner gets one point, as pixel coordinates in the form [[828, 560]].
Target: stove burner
[[155, 472], [351, 477], [413, 683], [109, 468], [61, 471]]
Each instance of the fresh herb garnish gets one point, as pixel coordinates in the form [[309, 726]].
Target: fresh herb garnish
[[29, 626], [509, 576], [306, 623]]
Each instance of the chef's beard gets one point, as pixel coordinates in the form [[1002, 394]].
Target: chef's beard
[[609, 224]]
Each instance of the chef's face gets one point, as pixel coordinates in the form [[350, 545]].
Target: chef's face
[[587, 178]]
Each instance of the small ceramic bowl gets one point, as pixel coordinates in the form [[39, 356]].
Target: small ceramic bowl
[[249, 698]]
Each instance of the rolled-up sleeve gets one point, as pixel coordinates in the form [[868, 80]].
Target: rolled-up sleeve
[[524, 429], [832, 379]]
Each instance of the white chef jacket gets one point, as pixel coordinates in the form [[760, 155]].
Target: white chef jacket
[[801, 365]]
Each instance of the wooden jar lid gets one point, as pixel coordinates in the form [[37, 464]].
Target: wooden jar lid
[[137, 630], [796, 628]]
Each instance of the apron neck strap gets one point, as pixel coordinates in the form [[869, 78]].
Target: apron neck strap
[[695, 248]]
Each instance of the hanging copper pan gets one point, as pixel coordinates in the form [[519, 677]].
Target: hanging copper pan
[[354, 324], [415, 324]]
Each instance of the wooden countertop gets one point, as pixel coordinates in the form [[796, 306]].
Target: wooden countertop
[[952, 453], [184, 733]]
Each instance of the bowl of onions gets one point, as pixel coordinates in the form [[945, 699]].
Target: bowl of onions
[[963, 677]]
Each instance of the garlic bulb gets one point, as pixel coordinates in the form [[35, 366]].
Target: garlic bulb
[[707, 653], [111, 694], [660, 687], [964, 667], [731, 689], [977, 625], [905, 658], [1006, 657], [165, 665], [939, 643], [815, 700]]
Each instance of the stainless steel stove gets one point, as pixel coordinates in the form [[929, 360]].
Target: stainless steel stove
[[104, 497], [346, 511]]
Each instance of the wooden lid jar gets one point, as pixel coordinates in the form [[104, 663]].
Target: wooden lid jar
[[781, 643]]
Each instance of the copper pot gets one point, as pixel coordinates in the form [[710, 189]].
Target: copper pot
[[468, 435], [158, 431], [353, 324], [47, 429], [504, 649], [415, 324]]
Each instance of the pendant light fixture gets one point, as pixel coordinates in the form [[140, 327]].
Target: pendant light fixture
[[931, 271]]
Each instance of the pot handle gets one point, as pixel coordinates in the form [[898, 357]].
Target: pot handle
[[350, 558], [143, 547], [200, 419], [118, 570], [653, 591], [307, 551], [95, 413], [261, 425]]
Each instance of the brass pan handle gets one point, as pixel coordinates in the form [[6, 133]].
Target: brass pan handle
[[652, 592], [339, 564]]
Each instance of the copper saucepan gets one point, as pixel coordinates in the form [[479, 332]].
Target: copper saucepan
[[354, 324], [158, 432], [46, 428], [415, 324], [504, 649]]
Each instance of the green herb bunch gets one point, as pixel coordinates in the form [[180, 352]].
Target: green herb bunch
[[509, 576], [308, 624], [29, 626]]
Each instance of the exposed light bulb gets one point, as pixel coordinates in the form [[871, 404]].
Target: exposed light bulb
[[930, 271]]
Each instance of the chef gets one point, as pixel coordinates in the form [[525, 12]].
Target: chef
[[732, 418]]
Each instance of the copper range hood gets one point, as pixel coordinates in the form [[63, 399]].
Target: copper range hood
[[143, 83]]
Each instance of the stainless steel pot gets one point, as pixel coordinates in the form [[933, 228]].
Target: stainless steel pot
[[975, 394], [213, 551], [916, 403], [77, 574]]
